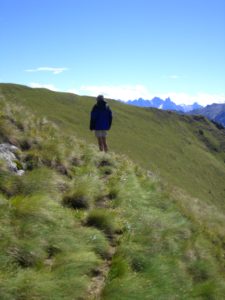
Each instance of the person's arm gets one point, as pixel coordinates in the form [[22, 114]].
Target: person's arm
[[92, 119], [110, 118]]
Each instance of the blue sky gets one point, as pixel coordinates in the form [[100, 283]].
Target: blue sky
[[122, 49]]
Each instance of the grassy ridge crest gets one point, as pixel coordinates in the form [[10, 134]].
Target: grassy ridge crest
[[186, 151], [60, 221]]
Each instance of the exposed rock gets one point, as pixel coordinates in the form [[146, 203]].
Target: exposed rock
[[7, 153]]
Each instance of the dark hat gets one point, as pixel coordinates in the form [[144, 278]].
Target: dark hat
[[101, 98]]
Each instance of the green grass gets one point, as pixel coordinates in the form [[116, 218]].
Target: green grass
[[169, 244], [171, 145], [46, 251], [163, 254]]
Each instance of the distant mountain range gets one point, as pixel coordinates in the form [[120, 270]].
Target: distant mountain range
[[214, 112], [166, 104]]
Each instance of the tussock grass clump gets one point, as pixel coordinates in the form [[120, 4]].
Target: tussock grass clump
[[41, 237], [120, 267], [84, 189], [39, 140], [106, 164], [161, 249], [10, 185], [102, 220], [113, 193], [39, 181], [76, 201]]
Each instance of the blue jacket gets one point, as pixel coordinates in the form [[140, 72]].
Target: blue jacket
[[101, 116]]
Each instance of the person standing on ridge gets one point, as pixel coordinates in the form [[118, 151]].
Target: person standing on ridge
[[101, 120]]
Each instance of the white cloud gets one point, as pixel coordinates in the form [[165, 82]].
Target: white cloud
[[48, 69], [45, 86], [123, 92], [202, 98], [131, 92], [73, 91]]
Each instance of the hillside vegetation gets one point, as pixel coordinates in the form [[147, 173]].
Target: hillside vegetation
[[215, 112], [80, 224], [186, 151]]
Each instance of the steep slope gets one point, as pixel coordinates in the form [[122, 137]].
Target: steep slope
[[187, 151], [215, 112], [79, 224]]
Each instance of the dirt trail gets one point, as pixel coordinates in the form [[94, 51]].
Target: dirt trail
[[99, 277], [100, 274]]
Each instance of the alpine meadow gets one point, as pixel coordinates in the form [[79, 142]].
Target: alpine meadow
[[143, 221]]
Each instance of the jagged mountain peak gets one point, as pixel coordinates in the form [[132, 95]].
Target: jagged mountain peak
[[166, 104]]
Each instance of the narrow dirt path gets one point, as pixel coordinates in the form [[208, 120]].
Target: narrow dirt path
[[99, 277]]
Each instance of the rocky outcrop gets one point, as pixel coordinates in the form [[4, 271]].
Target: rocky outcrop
[[8, 154]]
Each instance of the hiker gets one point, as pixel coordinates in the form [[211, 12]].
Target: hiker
[[101, 120]]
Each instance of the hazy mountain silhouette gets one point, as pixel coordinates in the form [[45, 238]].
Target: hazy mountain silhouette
[[214, 112], [166, 104]]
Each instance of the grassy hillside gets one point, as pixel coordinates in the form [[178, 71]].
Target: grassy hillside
[[80, 224], [187, 151], [215, 112]]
